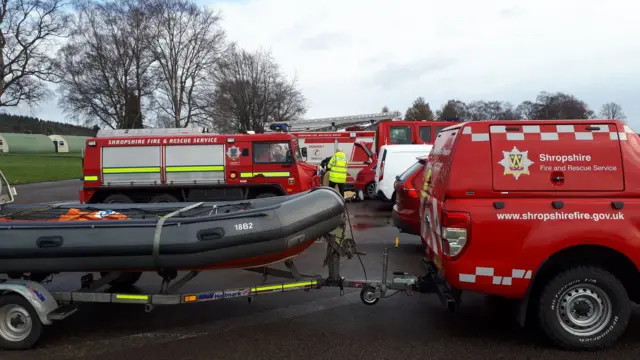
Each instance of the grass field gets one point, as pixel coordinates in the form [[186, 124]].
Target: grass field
[[31, 168]]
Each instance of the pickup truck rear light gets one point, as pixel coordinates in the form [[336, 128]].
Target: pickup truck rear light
[[381, 172], [412, 193], [456, 228]]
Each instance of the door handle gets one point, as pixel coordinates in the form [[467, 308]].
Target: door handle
[[557, 177], [49, 241]]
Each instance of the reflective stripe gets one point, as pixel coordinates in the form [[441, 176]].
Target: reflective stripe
[[194, 168], [131, 170], [489, 273], [132, 297], [269, 174], [283, 287], [91, 178]]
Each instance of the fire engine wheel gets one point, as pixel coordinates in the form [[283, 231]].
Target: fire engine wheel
[[584, 308], [370, 190], [117, 199], [164, 198]]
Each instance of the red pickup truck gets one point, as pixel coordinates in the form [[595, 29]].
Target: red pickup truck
[[543, 212]]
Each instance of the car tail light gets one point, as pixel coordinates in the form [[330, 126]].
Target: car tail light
[[456, 228]]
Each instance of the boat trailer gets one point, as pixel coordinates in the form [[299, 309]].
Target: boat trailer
[[26, 306]]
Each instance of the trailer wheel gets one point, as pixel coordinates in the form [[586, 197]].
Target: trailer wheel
[[117, 199], [164, 198], [584, 308], [20, 326], [368, 295], [370, 190], [125, 279]]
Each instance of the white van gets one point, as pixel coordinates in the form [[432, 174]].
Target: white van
[[393, 161]]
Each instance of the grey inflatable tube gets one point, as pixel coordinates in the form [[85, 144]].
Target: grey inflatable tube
[[265, 226]]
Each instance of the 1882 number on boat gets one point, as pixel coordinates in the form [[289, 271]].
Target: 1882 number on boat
[[244, 226]]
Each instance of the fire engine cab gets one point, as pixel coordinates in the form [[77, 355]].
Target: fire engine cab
[[171, 165]]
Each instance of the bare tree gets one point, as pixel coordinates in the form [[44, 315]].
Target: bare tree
[[557, 106], [187, 43], [105, 66], [612, 110], [29, 29], [527, 110], [491, 110], [251, 91], [385, 109]]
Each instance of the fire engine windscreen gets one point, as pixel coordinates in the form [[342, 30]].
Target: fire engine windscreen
[[272, 152]]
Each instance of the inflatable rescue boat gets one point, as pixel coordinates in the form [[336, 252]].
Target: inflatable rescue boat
[[149, 237]]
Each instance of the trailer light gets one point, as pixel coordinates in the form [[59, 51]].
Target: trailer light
[[233, 174], [231, 140], [190, 298], [91, 143]]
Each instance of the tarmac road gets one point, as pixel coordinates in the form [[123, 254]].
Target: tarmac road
[[53, 191], [319, 324]]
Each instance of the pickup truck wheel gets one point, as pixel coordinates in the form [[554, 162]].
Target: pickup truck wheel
[[125, 279], [584, 308], [20, 326], [117, 199]]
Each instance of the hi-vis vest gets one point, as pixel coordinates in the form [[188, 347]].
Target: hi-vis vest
[[338, 168]]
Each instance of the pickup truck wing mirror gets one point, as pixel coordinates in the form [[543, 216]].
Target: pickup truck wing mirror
[[7, 192]]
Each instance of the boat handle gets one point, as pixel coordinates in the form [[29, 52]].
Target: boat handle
[[49, 241], [210, 234]]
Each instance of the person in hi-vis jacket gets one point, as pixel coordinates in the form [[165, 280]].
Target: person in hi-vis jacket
[[338, 170]]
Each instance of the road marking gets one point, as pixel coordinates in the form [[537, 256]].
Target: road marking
[[96, 347]]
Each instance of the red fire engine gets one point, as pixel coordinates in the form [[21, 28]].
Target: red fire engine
[[170, 165], [360, 139]]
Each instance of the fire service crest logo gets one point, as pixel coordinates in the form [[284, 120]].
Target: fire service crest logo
[[233, 153], [516, 162]]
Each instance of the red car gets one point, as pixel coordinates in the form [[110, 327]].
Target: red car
[[366, 180], [406, 210]]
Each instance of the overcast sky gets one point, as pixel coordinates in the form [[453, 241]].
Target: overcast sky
[[354, 56]]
